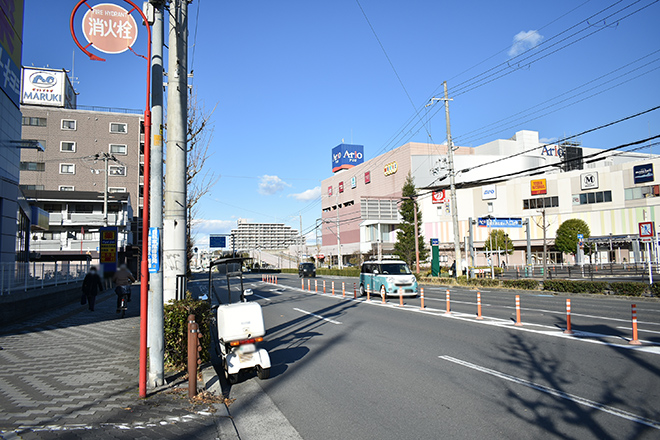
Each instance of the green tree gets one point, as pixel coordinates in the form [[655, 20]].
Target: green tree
[[405, 236], [500, 241], [566, 240]]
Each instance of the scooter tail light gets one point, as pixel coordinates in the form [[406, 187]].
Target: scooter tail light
[[246, 341]]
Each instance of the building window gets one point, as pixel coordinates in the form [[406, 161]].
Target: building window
[[32, 187], [67, 168], [541, 202], [34, 122], [52, 207], [118, 149], [117, 170], [33, 166], [592, 197], [82, 208], [642, 192], [116, 190], [66, 188], [67, 147], [68, 124], [118, 127]]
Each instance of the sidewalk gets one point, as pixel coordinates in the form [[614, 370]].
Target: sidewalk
[[73, 373]]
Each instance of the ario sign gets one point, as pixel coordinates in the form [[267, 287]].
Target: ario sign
[[109, 28], [47, 87], [488, 192], [552, 150], [345, 156]]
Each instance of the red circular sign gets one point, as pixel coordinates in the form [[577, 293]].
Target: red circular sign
[[109, 28]]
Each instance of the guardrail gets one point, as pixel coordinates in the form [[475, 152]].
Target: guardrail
[[15, 277]]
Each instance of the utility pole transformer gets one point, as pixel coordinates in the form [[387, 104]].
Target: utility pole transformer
[[174, 216], [155, 320]]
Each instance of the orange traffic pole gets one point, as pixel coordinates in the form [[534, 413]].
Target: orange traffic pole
[[448, 303], [400, 297], [382, 293], [634, 340], [422, 306], [316, 287], [568, 330], [479, 306], [302, 284], [275, 280], [518, 322], [323, 286], [368, 293], [343, 289], [333, 288], [354, 291], [309, 289]]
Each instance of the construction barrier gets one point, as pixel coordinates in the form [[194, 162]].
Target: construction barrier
[[634, 340], [568, 330], [518, 322]]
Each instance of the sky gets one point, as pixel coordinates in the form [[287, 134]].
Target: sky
[[287, 81]]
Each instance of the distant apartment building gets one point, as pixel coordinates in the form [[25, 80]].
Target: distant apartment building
[[79, 146], [249, 236]]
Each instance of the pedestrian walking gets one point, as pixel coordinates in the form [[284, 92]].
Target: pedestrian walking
[[91, 286], [123, 279]]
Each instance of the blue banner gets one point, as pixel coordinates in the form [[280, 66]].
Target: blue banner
[[10, 77], [154, 250], [484, 222]]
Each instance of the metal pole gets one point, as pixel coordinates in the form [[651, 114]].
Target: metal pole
[[174, 215], [339, 261], [452, 182], [529, 243], [470, 244], [416, 235], [545, 249], [106, 158], [156, 319]]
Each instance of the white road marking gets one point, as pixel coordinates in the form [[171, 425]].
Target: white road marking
[[455, 301], [262, 297], [558, 393], [332, 321], [641, 330]]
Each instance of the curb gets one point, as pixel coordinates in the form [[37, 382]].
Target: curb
[[224, 423]]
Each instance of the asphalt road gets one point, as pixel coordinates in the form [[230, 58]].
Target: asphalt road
[[345, 368]]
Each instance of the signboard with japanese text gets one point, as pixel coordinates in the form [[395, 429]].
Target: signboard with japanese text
[[217, 241], [643, 173], [109, 28], [341, 187], [367, 177], [49, 87], [108, 248], [154, 250], [484, 222], [11, 48], [330, 190], [538, 187], [438, 197]]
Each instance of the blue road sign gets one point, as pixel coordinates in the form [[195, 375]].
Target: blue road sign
[[435, 241], [580, 237], [217, 241], [495, 222]]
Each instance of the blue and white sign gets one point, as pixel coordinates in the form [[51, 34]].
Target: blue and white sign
[[345, 156], [435, 241], [580, 237], [643, 173], [217, 241], [154, 250], [500, 222], [488, 192], [10, 77]]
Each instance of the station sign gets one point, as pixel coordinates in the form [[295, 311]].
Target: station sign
[[484, 222]]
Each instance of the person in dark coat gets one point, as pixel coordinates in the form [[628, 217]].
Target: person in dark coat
[[91, 286]]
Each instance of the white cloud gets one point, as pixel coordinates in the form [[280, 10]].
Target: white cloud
[[212, 226], [270, 185], [307, 195], [523, 41]]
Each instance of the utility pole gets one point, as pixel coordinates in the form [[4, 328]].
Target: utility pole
[[105, 190], [452, 182], [452, 178], [301, 237], [174, 215], [339, 262], [416, 235], [545, 249], [155, 319]]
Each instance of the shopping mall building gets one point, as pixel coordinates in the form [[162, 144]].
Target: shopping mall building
[[517, 178]]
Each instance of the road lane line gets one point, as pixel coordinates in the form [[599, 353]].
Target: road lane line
[[262, 297], [641, 330], [558, 393], [332, 321]]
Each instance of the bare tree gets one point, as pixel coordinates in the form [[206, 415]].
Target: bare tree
[[200, 179]]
